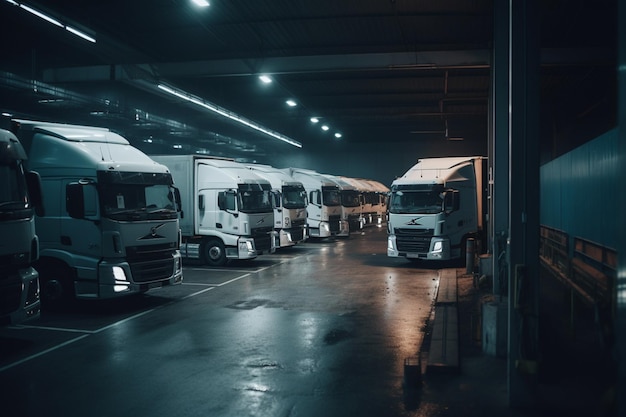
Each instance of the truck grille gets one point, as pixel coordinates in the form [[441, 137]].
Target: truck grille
[[413, 240], [151, 263], [298, 223], [262, 238], [297, 233], [333, 223]]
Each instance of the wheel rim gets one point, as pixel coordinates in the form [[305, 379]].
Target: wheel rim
[[215, 253]]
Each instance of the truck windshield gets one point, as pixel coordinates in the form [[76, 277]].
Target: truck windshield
[[331, 196], [137, 196], [416, 202], [255, 201], [294, 197], [350, 198], [13, 190]]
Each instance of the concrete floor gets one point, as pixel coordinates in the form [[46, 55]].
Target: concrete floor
[[321, 329]]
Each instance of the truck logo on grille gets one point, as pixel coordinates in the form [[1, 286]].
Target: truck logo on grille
[[153, 233], [414, 222], [261, 221]]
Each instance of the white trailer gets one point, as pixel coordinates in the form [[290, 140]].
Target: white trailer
[[111, 226], [227, 208], [20, 197], [324, 209], [289, 201], [435, 207]]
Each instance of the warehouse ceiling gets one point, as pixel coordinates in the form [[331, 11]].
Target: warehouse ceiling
[[396, 71]]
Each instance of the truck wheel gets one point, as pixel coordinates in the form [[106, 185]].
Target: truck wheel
[[214, 253], [56, 286]]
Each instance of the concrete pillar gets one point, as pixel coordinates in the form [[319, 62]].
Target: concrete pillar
[[620, 321], [499, 143], [523, 249]]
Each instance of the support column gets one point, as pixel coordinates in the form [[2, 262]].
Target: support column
[[523, 287], [499, 147], [620, 320]]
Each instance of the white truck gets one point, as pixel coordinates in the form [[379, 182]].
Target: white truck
[[289, 201], [324, 209], [111, 226], [228, 213], [351, 204], [374, 200], [20, 197], [435, 207]]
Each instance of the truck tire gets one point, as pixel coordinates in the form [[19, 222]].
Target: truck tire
[[57, 290], [213, 252]]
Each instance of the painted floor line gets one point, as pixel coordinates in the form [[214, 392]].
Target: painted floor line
[[200, 284], [44, 352], [117, 323], [58, 329]]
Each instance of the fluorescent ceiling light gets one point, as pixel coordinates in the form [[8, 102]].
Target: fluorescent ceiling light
[[265, 78], [201, 3], [80, 34], [314, 120], [41, 15], [325, 128], [227, 113], [291, 103], [53, 20]]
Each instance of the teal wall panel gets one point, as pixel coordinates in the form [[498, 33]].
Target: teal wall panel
[[579, 191]]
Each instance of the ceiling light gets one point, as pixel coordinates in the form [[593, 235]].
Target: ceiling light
[[201, 3], [80, 34], [314, 120], [41, 15], [325, 128], [338, 135], [227, 113], [265, 78], [53, 20], [291, 103]]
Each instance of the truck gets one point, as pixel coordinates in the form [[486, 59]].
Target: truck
[[229, 212], [20, 198], [324, 210], [435, 207], [289, 200], [374, 194], [351, 204], [111, 227]]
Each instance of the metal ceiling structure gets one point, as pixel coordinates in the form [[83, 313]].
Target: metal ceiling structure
[[393, 71]]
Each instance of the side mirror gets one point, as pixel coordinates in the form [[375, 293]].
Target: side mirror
[[451, 201], [177, 200], [33, 182]]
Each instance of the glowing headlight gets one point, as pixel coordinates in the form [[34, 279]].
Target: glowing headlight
[[438, 247], [121, 282], [119, 274], [249, 245]]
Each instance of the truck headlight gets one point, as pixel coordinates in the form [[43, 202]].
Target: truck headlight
[[287, 221], [121, 282], [438, 247]]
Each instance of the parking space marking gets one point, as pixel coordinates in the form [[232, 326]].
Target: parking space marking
[[44, 352], [87, 333]]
